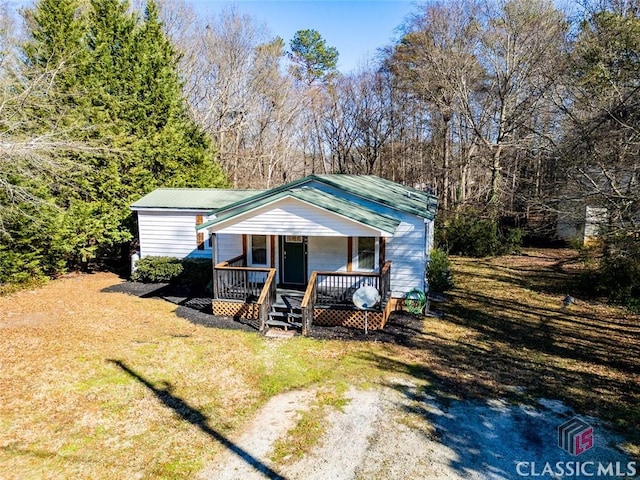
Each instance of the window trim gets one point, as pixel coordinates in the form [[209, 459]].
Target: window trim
[[208, 242], [355, 259], [250, 260]]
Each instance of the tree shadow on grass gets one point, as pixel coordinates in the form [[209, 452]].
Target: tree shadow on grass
[[497, 347], [488, 419], [197, 419], [545, 274], [559, 334], [488, 348]]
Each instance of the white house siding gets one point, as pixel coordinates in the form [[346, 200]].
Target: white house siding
[[327, 254], [229, 246], [170, 233], [595, 219], [293, 217], [408, 249]]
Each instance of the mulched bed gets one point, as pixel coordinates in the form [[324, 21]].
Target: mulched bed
[[402, 328]]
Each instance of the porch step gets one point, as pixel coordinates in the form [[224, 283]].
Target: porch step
[[281, 307], [277, 323], [283, 317], [281, 323]]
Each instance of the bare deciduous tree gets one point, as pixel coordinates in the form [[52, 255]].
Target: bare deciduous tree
[[239, 94]]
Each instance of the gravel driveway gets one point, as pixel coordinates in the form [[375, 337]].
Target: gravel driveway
[[395, 432]]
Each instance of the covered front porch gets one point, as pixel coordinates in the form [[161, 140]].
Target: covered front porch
[[306, 240], [254, 294]]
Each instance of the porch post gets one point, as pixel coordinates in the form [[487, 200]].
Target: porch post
[[272, 248], [214, 258]]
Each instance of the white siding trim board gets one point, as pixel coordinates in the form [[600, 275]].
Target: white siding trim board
[[292, 216]]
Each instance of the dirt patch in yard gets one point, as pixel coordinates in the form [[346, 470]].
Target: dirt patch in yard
[[399, 432]]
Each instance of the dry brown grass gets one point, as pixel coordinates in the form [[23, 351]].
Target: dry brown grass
[[68, 411]]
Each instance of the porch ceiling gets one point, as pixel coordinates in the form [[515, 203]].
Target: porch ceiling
[[304, 211]]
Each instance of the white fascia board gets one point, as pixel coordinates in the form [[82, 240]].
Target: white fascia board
[[220, 226], [171, 210]]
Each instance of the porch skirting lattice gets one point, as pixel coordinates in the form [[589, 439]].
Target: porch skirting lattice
[[226, 308], [328, 317]]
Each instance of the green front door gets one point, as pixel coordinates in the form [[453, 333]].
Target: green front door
[[294, 260]]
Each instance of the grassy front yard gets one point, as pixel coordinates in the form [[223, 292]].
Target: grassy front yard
[[505, 334], [107, 385]]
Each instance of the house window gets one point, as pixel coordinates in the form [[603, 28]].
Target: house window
[[208, 243], [258, 249], [366, 256]]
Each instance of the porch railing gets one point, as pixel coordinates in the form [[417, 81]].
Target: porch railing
[[267, 298], [337, 288], [239, 261], [233, 280], [309, 302], [328, 289], [384, 286]]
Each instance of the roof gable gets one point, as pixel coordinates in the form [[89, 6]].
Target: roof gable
[[315, 198]]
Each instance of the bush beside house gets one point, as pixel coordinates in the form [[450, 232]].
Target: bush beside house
[[191, 272]]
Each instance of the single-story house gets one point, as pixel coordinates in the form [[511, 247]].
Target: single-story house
[[324, 235]]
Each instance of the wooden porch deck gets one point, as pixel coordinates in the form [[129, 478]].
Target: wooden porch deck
[[251, 294]]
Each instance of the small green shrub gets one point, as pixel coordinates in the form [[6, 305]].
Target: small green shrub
[[196, 272], [468, 233], [620, 270], [157, 269], [192, 272], [613, 269], [590, 253], [439, 272]]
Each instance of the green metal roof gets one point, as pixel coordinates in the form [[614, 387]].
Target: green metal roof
[[386, 192], [192, 198], [393, 195], [347, 209], [315, 197]]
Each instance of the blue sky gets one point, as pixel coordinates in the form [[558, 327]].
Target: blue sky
[[356, 28]]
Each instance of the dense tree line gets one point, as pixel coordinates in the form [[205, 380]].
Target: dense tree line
[[93, 117], [506, 109], [511, 111], [488, 102]]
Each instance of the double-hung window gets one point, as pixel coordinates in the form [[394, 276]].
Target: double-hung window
[[258, 249], [366, 253]]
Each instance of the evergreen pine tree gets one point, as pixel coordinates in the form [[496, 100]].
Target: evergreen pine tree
[[116, 88]]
